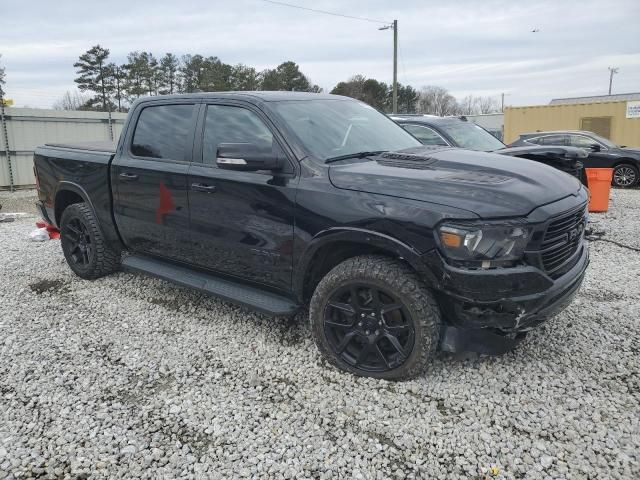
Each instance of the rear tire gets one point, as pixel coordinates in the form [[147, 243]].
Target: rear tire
[[83, 245], [625, 175], [372, 316]]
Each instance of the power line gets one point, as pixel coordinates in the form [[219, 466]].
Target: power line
[[325, 12]]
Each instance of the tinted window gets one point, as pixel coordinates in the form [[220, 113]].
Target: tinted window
[[425, 135], [581, 141], [226, 124], [551, 140], [163, 132]]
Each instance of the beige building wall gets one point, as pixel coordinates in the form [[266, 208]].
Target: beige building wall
[[623, 131]]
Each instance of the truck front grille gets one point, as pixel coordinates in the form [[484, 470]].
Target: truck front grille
[[562, 239]]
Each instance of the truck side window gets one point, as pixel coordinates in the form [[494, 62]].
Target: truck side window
[[163, 132], [425, 135], [226, 124]]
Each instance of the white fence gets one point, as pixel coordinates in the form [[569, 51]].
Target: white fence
[[28, 128]]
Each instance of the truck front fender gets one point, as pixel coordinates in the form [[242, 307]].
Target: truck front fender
[[346, 238]]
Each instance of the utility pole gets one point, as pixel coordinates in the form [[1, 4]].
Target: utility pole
[[612, 72], [395, 67], [502, 95], [394, 98]]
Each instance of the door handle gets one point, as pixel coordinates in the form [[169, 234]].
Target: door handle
[[128, 176], [202, 187]]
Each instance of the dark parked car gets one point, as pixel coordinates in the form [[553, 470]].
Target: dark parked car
[[277, 200], [603, 153], [461, 133]]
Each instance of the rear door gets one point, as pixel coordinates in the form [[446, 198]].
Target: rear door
[[241, 222], [149, 175]]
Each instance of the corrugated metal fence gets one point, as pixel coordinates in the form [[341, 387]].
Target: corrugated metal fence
[[28, 128]]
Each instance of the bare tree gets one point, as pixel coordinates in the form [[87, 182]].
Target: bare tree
[[488, 105], [2, 82], [71, 101], [437, 101], [1, 74], [469, 105]]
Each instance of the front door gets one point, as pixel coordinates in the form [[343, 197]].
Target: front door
[[597, 158], [241, 222], [149, 175]]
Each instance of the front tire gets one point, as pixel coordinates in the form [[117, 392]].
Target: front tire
[[372, 316], [83, 246], [625, 175]]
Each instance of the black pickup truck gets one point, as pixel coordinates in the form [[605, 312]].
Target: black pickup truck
[[277, 200]]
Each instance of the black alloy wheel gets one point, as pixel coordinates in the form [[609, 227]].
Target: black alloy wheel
[[368, 328], [373, 316], [83, 245], [78, 242]]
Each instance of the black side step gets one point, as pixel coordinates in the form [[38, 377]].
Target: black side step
[[251, 297]]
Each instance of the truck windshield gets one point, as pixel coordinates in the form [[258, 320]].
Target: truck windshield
[[471, 136], [332, 128]]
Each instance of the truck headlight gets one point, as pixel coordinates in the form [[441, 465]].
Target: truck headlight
[[484, 245]]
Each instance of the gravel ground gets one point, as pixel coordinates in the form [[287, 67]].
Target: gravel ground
[[131, 377]]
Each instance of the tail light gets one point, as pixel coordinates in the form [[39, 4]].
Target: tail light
[[35, 174]]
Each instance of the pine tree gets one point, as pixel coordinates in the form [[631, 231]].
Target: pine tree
[[135, 74], [192, 73], [94, 76], [286, 76], [243, 77], [151, 73], [168, 68]]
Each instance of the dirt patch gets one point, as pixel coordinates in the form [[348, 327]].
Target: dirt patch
[[49, 286]]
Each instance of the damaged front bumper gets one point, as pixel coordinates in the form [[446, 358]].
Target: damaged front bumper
[[489, 311]]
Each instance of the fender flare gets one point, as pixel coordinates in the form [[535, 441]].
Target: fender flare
[[66, 185], [362, 236]]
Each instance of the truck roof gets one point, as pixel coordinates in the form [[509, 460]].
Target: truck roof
[[265, 96]]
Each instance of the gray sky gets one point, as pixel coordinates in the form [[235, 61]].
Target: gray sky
[[467, 46]]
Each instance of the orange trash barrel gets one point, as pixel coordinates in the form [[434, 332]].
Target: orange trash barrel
[[599, 181]]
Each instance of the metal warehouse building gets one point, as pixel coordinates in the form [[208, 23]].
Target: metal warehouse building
[[28, 128], [616, 117]]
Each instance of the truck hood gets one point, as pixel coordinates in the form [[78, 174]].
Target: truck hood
[[487, 184]]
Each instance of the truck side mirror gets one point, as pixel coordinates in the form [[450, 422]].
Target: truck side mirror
[[595, 147], [247, 157]]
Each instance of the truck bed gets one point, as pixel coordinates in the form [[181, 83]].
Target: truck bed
[[79, 170]]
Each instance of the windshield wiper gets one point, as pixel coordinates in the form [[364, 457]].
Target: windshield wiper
[[353, 155]]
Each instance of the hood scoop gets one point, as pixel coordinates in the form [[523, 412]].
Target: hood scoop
[[477, 177], [408, 160]]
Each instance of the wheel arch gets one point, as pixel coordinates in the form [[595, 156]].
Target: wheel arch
[[67, 194], [333, 246], [634, 162]]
